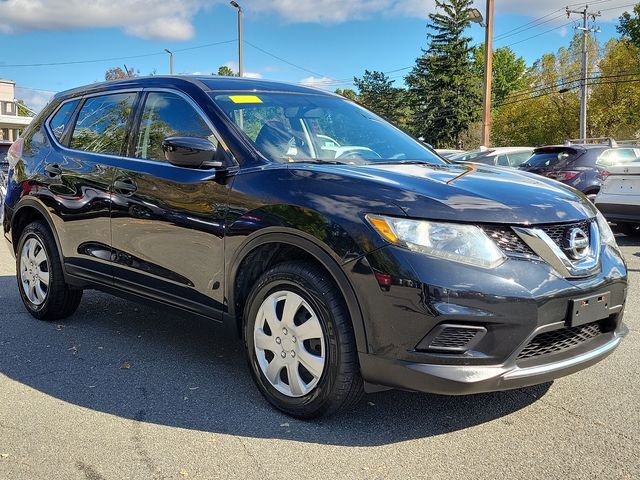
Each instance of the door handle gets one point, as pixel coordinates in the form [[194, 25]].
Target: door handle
[[53, 170], [124, 186]]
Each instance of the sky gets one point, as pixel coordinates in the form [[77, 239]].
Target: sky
[[318, 42]]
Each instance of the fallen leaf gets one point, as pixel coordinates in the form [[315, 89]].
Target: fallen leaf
[[286, 425], [59, 327], [73, 349], [193, 388], [125, 366], [371, 404], [4, 455], [184, 473]]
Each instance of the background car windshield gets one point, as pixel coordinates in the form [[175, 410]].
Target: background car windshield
[[287, 127]]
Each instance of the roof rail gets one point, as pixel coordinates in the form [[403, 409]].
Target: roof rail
[[632, 141], [592, 141]]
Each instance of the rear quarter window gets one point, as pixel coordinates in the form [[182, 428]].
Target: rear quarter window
[[60, 119]]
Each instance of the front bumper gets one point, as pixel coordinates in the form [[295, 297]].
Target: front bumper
[[514, 304], [619, 208], [468, 379]]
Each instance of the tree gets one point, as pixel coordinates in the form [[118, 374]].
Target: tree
[[445, 95], [116, 73], [546, 108], [508, 71], [347, 93], [615, 96], [376, 92], [629, 26], [225, 71]]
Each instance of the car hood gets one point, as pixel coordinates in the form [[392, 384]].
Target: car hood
[[474, 193]]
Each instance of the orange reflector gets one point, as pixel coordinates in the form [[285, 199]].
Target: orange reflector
[[383, 228]]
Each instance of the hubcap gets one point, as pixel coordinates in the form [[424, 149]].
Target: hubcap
[[289, 343], [34, 271]]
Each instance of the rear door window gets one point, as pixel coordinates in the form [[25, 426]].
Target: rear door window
[[101, 126], [61, 119]]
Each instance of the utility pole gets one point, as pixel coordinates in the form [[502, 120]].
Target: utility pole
[[488, 75], [240, 12], [170, 60], [585, 74]]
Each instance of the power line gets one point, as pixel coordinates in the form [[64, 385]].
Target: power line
[[111, 59], [284, 60], [538, 35]]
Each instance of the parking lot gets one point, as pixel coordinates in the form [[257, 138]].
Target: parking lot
[[121, 391]]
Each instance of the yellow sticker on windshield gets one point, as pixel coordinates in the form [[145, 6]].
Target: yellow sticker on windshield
[[245, 99]]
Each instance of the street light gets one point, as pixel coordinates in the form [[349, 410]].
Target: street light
[[170, 60], [236, 5], [475, 16]]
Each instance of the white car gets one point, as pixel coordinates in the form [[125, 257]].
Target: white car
[[619, 197], [503, 156]]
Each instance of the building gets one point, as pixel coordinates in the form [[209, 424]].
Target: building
[[11, 124]]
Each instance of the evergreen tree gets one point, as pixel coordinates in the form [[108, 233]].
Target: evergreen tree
[[442, 85], [377, 93]]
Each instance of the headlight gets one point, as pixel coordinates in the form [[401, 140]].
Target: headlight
[[606, 235], [459, 243]]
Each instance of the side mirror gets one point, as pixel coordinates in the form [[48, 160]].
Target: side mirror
[[190, 152]]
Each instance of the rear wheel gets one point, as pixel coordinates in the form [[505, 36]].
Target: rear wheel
[[40, 278], [300, 342]]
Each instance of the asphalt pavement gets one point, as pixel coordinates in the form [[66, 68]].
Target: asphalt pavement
[[125, 391]]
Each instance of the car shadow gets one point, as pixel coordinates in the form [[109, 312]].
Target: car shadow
[[140, 363]]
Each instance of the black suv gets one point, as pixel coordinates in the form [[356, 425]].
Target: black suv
[[345, 254]]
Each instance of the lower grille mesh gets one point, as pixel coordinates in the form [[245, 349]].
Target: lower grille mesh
[[559, 340], [454, 337]]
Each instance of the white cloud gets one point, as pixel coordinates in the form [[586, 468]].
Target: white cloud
[[318, 82], [173, 19], [158, 19], [36, 100]]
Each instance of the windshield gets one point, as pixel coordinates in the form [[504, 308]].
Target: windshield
[[292, 127]]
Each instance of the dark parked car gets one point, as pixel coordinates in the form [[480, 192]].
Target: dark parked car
[[345, 254], [4, 170], [578, 165]]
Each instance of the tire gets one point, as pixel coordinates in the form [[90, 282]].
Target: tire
[[52, 301], [629, 229], [327, 333]]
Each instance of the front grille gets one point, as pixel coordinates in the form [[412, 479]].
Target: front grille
[[454, 337], [559, 233], [512, 244], [507, 240], [560, 340]]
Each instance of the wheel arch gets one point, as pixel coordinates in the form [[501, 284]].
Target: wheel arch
[[270, 239], [27, 211]]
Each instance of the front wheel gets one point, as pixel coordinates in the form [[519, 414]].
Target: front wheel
[[300, 342], [40, 277]]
